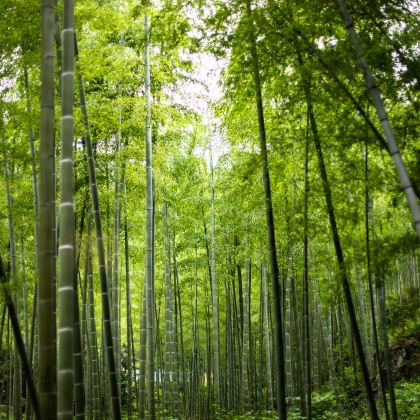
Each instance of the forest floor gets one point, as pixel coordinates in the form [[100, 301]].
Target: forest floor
[[324, 407], [406, 362]]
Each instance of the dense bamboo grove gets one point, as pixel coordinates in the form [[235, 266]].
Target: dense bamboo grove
[[210, 210]]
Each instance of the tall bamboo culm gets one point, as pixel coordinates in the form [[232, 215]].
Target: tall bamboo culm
[[214, 294], [150, 307], [19, 346], [106, 312], [130, 352], [115, 292], [246, 403], [375, 95], [336, 238], [17, 371], [271, 241], [66, 253], [47, 351], [171, 380]]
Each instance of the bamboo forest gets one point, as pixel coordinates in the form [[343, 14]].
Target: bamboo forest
[[209, 209]]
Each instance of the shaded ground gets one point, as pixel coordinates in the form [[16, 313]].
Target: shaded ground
[[406, 357]]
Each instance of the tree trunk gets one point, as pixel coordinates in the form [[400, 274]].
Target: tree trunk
[[177, 291], [128, 319], [375, 95], [115, 312], [380, 289], [214, 297], [67, 257], [46, 246], [170, 378], [330, 357], [274, 270], [150, 385], [19, 345], [339, 252], [306, 297], [245, 343], [17, 371], [106, 312]]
